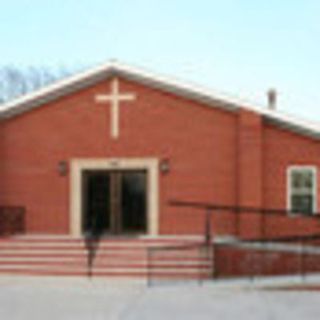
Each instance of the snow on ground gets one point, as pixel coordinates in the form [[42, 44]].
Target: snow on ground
[[69, 298]]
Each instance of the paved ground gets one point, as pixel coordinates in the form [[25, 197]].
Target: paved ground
[[44, 298]]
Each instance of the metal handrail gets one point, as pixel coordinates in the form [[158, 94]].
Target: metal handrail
[[300, 240], [92, 240], [167, 248], [246, 209], [211, 208]]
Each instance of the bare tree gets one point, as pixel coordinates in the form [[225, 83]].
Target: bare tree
[[15, 82]]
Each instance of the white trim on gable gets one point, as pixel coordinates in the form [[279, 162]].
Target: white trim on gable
[[188, 90]]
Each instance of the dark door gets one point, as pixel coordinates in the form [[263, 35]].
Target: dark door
[[97, 200], [115, 202], [133, 202]]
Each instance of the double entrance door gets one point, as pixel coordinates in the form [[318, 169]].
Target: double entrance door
[[114, 202]]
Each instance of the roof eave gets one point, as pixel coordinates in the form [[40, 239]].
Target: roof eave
[[294, 127], [187, 90], [77, 82]]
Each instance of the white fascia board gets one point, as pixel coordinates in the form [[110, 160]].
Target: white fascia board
[[188, 90], [75, 82], [309, 128]]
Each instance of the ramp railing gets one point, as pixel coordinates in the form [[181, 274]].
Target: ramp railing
[[244, 222], [254, 242]]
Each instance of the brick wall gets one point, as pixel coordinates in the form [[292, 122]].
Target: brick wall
[[199, 141], [217, 156], [282, 149], [233, 261], [249, 169]]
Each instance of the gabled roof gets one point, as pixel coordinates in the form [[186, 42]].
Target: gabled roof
[[188, 90]]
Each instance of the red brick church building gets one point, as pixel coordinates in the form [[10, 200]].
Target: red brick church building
[[119, 143]]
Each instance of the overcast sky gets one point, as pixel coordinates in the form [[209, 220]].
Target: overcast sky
[[240, 47]]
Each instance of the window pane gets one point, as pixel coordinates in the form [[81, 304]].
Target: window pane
[[295, 180], [307, 180], [302, 180], [302, 204]]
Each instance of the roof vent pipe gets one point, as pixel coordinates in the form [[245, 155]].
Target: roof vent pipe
[[272, 99]]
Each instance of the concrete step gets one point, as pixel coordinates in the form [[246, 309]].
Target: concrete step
[[120, 257], [120, 274]]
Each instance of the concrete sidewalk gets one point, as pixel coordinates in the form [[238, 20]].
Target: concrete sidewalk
[[74, 298]]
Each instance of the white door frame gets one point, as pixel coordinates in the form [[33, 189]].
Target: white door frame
[[77, 166]]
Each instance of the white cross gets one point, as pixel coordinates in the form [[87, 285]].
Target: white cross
[[115, 98]]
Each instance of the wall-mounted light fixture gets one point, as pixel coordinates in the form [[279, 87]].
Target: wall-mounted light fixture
[[62, 168], [165, 166]]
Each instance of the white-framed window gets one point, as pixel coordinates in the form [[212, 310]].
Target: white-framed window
[[302, 189]]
